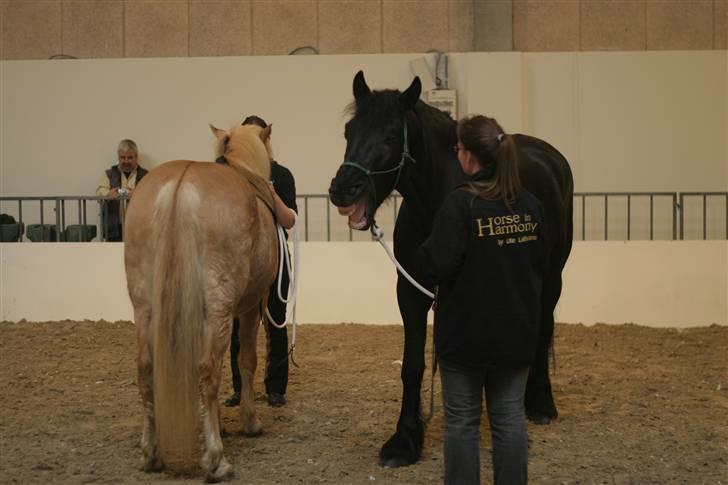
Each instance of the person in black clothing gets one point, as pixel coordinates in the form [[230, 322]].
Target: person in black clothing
[[488, 256], [283, 189]]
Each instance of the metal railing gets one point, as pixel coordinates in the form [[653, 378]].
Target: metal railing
[[395, 200], [587, 221], [58, 205], [704, 196], [628, 197]]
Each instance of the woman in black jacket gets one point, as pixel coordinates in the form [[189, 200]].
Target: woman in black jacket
[[488, 256]]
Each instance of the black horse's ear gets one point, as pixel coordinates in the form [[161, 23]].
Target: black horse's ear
[[360, 86], [408, 99]]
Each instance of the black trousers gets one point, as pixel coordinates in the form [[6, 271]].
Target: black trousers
[[112, 233], [276, 369]]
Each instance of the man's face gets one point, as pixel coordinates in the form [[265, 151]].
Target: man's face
[[127, 160]]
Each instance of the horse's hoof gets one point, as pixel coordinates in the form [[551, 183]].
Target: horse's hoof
[[253, 433], [542, 410], [223, 473], [153, 465], [537, 417], [540, 420], [401, 450], [540, 406], [253, 429], [394, 462]]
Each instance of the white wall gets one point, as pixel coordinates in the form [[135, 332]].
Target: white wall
[[61, 121], [660, 284], [625, 120]]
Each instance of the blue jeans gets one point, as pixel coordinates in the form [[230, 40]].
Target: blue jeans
[[462, 396]]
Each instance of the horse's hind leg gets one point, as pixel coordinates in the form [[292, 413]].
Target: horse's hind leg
[[248, 361], [151, 461], [217, 338], [539, 401]]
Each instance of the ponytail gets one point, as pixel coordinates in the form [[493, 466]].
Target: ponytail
[[496, 153], [507, 178]]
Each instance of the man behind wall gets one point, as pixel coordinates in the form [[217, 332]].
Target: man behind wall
[[120, 179]]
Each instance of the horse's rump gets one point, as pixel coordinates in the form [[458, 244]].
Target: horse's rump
[[546, 174], [218, 209]]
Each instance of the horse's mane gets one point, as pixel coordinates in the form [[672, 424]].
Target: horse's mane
[[244, 148], [377, 105], [380, 104], [439, 122]]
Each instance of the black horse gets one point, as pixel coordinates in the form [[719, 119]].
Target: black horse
[[395, 141]]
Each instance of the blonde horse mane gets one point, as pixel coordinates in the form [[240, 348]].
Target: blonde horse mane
[[246, 146]]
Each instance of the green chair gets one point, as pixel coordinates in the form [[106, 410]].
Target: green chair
[[42, 232], [11, 232], [80, 233]]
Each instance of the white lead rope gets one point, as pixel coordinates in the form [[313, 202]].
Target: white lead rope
[[293, 277], [378, 235]]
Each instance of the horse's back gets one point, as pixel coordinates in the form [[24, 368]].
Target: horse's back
[[213, 193]]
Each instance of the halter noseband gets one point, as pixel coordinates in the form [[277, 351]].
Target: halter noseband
[[369, 173]]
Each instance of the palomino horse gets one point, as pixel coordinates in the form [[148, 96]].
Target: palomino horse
[[200, 248], [395, 141]]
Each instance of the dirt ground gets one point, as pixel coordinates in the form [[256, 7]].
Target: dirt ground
[[637, 406]]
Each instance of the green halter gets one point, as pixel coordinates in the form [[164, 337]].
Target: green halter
[[369, 173]]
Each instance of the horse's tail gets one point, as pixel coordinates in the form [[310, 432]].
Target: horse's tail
[[178, 312]]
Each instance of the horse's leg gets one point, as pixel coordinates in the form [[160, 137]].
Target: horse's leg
[[405, 446], [217, 338], [540, 406], [248, 361], [150, 453]]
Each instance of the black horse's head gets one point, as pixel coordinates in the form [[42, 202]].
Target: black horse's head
[[376, 151]]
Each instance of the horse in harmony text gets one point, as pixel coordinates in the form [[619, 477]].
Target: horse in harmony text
[[394, 141], [200, 248]]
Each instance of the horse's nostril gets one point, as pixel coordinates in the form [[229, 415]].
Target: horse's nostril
[[353, 190]]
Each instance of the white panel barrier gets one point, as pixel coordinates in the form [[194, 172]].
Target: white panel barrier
[[660, 284]]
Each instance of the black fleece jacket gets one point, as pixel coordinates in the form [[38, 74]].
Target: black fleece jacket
[[488, 262]]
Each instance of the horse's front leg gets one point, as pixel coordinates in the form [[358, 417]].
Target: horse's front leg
[[151, 462], [405, 446], [216, 341]]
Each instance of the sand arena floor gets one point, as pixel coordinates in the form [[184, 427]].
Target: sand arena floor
[[637, 406]]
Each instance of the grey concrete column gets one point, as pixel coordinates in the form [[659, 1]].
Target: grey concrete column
[[493, 29]]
